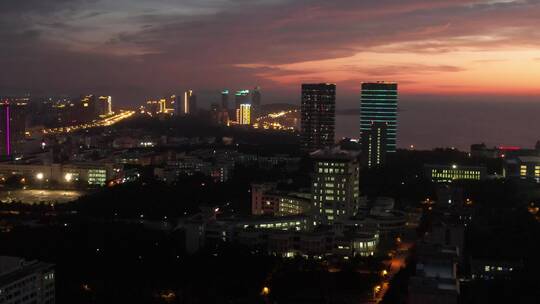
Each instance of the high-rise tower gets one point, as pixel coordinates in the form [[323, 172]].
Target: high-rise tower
[[189, 104], [335, 185], [12, 126], [379, 104], [318, 115], [374, 145], [241, 97], [225, 99], [256, 97]]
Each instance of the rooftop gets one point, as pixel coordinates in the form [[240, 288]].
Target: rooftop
[[14, 268], [529, 159], [335, 154]]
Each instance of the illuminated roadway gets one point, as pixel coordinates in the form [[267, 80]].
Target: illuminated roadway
[[284, 120], [108, 121], [396, 263]]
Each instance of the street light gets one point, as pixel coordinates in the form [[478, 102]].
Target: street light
[[68, 177], [39, 176], [376, 290]]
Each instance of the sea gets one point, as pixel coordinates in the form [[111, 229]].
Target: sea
[[431, 124]]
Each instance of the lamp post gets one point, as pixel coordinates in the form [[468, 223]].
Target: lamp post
[[39, 177]]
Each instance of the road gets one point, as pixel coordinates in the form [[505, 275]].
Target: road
[[397, 262], [108, 121]]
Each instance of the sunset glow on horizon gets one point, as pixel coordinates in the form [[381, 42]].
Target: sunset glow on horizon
[[141, 47], [460, 72]]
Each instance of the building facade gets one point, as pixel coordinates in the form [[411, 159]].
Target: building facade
[[12, 127], [256, 100], [241, 97], [374, 145], [318, 116], [189, 104], [379, 104], [335, 186], [243, 114], [449, 173], [523, 167], [92, 174], [104, 105], [265, 200], [225, 99], [26, 282]]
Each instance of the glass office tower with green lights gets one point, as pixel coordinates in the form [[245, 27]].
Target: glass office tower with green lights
[[379, 105]]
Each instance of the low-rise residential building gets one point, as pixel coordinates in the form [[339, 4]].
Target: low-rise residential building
[[284, 236], [26, 282], [90, 173], [523, 167], [218, 166], [435, 280], [450, 173], [266, 200], [296, 223], [438, 255], [312, 244], [490, 269]]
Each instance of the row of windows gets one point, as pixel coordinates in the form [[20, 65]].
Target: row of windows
[[330, 179], [274, 225], [331, 170], [473, 172], [524, 170], [330, 198], [323, 164], [368, 244], [488, 268], [97, 176], [455, 176]]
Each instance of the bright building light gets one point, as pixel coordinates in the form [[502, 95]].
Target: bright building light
[[68, 177], [39, 176]]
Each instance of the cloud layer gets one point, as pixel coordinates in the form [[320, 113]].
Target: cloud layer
[[139, 48]]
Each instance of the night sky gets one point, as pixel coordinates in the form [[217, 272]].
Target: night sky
[[133, 49]]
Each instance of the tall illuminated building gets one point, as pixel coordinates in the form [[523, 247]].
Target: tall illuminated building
[[12, 126], [214, 112], [189, 104], [256, 97], [318, 114], [243, 114], [225, 99], [193, 104], [86, 110], [374, 145], [104, 105], [335, 184], [6, 134], [152, 107], [379, 103], [241, 97], [171, 104]]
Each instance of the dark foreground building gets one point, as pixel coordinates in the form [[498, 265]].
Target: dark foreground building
[[25, 282], [318, 115]]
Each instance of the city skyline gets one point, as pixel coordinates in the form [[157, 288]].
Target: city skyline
[[269, 151], [447, 48]]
